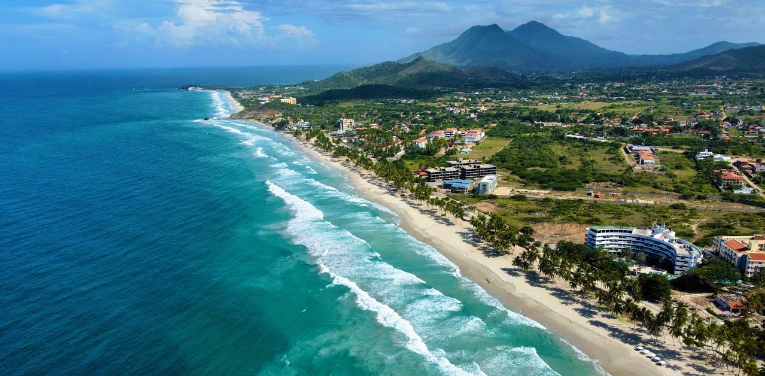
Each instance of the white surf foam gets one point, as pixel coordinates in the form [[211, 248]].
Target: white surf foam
[[387, 317], [583, 357], [219, 104]]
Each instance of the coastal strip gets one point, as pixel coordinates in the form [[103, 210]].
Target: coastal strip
[[592, 334]]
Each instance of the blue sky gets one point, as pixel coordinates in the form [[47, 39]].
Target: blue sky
[[67, 34]]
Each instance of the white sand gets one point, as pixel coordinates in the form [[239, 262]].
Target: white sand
[[237, 106]]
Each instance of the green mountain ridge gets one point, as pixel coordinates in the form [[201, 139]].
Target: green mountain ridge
[[534, 48]]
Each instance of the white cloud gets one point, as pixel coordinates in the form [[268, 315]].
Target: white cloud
[[294, 31], [713, 3], [586, 12], [199, 21], [604, 17]]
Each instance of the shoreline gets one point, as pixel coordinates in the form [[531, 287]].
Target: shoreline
[[527, 294], [237, 106]]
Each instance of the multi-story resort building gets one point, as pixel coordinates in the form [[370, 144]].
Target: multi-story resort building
[[658, 242], [461, 169], [745, 253], [345, 125]]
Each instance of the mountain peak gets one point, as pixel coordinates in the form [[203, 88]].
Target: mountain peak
[[534, 25], [484, 30], [534, 28]]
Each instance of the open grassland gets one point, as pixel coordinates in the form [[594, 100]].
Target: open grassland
[[699, 225], [486, 148]]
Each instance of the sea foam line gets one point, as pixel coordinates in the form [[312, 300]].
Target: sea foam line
[[389, 318], [306, 217]]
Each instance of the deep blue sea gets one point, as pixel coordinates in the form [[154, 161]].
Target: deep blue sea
[[137, 239]]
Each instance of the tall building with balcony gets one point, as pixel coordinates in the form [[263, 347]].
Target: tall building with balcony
[[658, 242], [745, 253]]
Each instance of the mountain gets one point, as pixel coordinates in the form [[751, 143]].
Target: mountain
[[487, 46], [569, 52], [749, 60], [535, 47], [418, 72]]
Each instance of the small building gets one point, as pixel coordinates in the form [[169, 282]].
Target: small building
[[487, 185], [288, 100], [704, 155], [459, 186], [345, 125], [421, 142], [731, 303]]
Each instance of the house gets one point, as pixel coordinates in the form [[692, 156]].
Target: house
[[731, 303], [421, 142], [451, 132], [704, 155], [728, 178], [437, 134], [474, 135], [745, 191]]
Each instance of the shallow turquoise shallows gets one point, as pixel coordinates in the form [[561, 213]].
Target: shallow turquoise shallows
[[138, 239]]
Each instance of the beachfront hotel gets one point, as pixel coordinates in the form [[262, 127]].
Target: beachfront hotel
[[745, 253], [658, 242]]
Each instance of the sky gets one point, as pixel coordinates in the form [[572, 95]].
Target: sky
[[85, 34]]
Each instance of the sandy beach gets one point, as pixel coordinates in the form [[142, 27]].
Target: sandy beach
[[237, 106], [580, 322], [595, 332]]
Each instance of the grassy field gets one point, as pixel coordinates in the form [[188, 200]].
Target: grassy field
[[486, 148], [693, 224]]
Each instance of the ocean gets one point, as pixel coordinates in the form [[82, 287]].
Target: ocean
[[138, 239]]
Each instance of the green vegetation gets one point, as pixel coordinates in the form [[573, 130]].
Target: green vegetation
[[597, 275], [654, 287], [560, 165]]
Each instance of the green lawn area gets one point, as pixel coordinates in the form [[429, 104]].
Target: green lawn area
[[486, 148]]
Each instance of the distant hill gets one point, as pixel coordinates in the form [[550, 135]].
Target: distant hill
[[535, 47], [745, 60]]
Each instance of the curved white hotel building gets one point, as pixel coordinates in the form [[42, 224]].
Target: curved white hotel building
[[659, 242]]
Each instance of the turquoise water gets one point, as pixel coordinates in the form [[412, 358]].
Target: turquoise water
[[136, 239]]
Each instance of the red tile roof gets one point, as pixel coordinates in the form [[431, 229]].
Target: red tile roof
[[736, 245], [756, 256]]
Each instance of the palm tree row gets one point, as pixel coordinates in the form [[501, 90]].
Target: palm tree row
[[597, 274]]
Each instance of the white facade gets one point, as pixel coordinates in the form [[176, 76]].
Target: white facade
[[345, 125], [658, 242], [487, 185]]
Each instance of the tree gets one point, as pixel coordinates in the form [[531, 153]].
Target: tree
[[654, 287], [641, 257]]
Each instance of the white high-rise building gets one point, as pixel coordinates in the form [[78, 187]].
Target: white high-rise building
[[658, 242]]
